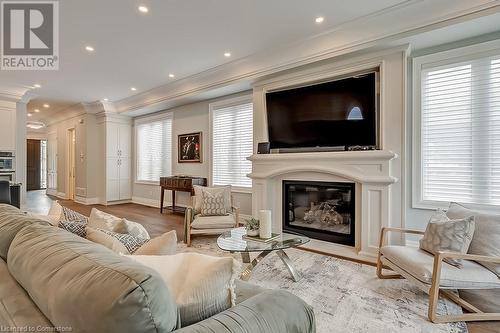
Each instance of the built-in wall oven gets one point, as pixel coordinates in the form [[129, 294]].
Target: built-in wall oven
[[7, 165]]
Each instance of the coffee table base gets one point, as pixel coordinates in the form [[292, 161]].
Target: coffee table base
[[245, 275]]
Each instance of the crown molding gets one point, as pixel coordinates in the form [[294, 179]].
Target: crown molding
[[242, 73]]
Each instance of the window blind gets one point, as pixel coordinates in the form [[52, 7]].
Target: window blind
[[154, 149], [460, 132], [232, 143]]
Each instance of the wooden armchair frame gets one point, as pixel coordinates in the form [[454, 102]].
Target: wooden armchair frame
[[189, 218], [435, 290]]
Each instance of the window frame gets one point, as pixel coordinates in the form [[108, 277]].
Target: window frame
[[218, 105], [420, 63], [146, 120]]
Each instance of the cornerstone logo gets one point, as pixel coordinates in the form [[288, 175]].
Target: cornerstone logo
[[30, 35]]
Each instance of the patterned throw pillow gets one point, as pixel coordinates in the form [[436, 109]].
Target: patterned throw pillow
[[131, 243], [213, 204], [443, 234], [76, 227], [71, 215]]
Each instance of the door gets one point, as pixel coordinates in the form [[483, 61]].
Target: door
[[52, 162], [71, 163], [33, 164]]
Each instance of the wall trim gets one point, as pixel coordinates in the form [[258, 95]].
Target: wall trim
[[86, 201], [153, 202]]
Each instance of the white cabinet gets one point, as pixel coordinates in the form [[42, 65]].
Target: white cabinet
[[7, 129], [118, 161]]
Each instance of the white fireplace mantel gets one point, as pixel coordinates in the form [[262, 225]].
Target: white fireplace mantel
[[371, 171], [368, 167]]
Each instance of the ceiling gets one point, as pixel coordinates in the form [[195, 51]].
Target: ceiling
[[188, 37]]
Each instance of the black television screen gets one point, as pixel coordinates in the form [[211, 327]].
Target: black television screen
[[332, 114]]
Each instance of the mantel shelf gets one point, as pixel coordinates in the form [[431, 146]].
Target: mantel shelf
[[371, 155]]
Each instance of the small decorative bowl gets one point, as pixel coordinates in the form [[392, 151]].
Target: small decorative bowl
[[253, 233]]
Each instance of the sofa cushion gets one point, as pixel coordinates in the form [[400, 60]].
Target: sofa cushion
[[102, 238], [419, 264], [486, 235], [75, 227], [77, 283], [213, 222], [101, 220], [136, 229], [12, 220], [16, 307], [213, 204], [70, 215], [165, 244]]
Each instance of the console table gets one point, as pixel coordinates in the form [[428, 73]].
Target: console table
[[178, 183]]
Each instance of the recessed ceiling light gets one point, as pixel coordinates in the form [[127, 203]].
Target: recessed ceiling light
[[227, 54], [143, 9], [133, 89], [36, 85], [171, 75], [29, 114], [105, 99], [36, 110], [319, 19], [89, 48], [46, 106]]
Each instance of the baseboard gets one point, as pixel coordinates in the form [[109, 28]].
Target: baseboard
[[61, 195], [51, 191], [153, 202], [86, 201]]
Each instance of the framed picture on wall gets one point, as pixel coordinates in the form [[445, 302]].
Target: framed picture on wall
[[189, 148]]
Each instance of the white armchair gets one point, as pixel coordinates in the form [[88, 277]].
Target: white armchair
[[195, 224], [436, 277]]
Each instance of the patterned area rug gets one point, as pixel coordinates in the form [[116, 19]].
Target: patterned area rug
[[346, 296]]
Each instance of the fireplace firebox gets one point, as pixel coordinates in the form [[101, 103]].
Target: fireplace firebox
[[320, 210]]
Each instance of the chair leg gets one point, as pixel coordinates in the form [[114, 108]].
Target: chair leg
[[379, 260], [188, 237]]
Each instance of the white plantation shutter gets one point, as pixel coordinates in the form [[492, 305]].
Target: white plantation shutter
[[460, 132], [154, 148], [232, 143]]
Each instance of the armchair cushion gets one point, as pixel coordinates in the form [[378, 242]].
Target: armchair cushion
[[419, 264], [213, 222], [486, 235]]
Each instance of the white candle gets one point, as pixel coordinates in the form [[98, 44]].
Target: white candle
[[265, 223]]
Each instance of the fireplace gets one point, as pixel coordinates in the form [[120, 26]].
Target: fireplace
[[320, 210]]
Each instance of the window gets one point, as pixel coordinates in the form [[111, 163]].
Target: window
[[232, 142], [153, 148], [459, 130]]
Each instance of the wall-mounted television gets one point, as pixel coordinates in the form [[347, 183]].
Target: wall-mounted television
[[337, 114]]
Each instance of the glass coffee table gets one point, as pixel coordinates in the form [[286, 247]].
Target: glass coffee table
[[233, 241]]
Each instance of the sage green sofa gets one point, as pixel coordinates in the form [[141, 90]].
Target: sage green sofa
[[51, 279]]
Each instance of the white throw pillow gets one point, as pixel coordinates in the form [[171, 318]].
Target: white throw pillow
[[55, 213], [101, 220], [165, 244], [201, 285], [136, 229], [198, 192], [106, 240]]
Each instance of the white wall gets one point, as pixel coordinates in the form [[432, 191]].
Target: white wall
[[187, 119]]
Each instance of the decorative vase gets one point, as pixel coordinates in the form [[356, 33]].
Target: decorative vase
[[265, 225], [253, 233]]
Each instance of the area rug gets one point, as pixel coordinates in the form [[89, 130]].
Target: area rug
[[346, 296]]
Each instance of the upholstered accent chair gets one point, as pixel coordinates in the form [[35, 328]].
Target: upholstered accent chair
[[196, 224], [435, 277]]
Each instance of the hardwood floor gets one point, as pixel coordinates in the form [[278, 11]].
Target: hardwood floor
[[157, 224]]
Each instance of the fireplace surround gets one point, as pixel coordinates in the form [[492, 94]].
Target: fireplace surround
[[320, 210]]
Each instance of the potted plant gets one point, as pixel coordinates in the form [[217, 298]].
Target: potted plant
[[252, 226]]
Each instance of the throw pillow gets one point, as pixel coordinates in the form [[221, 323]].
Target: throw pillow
[[201, 285], [75, 227], [55, 213], [198, 196], [135, 229], [213, 204], [71, 215], [486, 237], [101, 220], [130, 242], [165, 244], [443, 234], [112, 243]]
